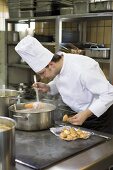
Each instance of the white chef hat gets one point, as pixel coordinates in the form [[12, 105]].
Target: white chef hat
[[33, 53]]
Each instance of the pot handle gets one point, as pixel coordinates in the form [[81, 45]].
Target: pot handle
[[21, 117], [16, 98]]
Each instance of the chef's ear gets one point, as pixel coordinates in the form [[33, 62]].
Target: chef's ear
[[51, 64]]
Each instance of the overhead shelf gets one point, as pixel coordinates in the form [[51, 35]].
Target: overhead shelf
[[19, 65], [49, 43]]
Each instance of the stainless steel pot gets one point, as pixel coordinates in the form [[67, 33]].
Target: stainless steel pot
[[7, 98], [96, 52], [7, 143], [13, 36], [35, 119]]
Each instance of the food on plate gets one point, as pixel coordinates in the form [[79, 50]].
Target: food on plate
[[65, 118], [82, 134], [72, 134], [63, 135]]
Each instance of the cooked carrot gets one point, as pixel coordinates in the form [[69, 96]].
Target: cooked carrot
[[35, 105], [28, 105]]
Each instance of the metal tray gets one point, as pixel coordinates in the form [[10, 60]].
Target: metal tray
[[57, 130], [101, 6], [80, 6], [97, 52]]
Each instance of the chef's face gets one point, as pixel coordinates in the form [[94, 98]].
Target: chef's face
[[50, 71]]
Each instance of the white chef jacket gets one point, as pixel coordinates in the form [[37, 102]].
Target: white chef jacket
[[82, 85]]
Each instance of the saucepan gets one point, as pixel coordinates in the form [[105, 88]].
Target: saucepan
[[7, 98], [32, 119]]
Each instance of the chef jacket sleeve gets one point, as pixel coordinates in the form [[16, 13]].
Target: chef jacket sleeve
[[96, 82], [53, 88]]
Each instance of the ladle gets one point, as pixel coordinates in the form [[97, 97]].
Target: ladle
[[36, 90]]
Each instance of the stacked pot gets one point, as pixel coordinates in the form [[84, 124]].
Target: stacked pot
[[7, 143], [7, 98]]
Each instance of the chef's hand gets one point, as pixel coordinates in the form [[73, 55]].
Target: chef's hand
[[80, 117], [41, 87]]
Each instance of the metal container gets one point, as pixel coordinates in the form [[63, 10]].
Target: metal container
[[66, 10], [80, 6], [26, 13], [97, 6], [43, 8], [13, 36], [34, 119], [7, 143], [7, 98], [98, 52]]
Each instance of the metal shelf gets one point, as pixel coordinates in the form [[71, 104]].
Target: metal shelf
[[12, 43], [32, 19], [19, 66], [68, 17], [82, 19], [48, 43], [86, 15], [43, 43], [58, 20]]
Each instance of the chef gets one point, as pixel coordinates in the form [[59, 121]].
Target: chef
[[79, 80]]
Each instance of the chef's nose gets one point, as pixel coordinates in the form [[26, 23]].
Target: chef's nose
[[42, 75]]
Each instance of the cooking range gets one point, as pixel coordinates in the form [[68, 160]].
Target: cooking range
[[41, 149]]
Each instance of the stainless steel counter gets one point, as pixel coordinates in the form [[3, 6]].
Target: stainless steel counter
[[99, 157], [96, 158]]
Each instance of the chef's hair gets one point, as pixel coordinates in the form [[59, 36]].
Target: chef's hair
[[57, 56]]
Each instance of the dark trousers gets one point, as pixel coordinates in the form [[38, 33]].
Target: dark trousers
[[104, 123]]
